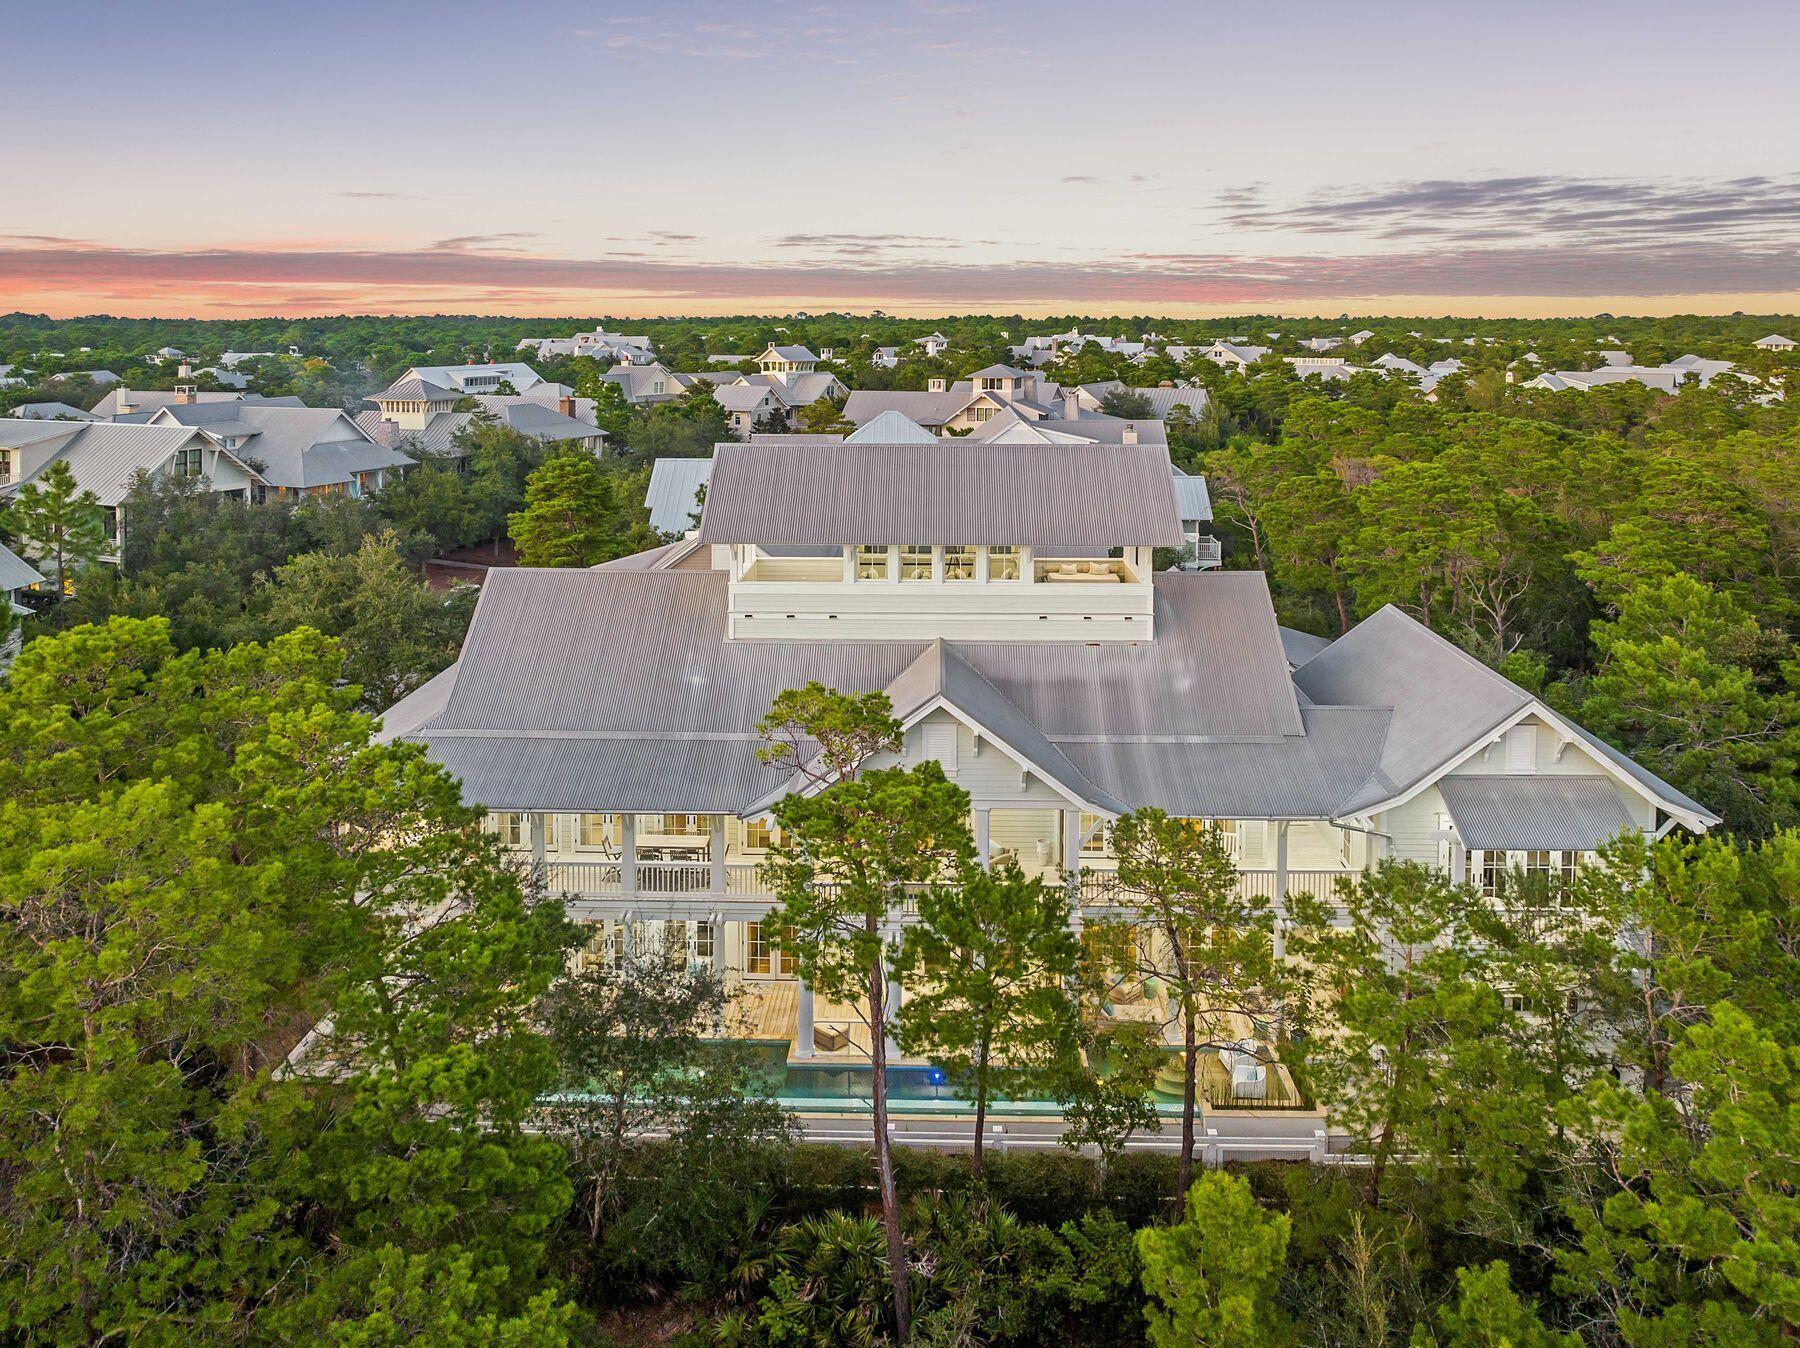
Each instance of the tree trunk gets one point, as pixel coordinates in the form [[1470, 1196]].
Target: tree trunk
[[1190, 1062], [884, 1155], [981, 1099]]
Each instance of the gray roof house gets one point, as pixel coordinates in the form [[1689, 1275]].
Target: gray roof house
[[106, 458], [306, 451], [1004, 598]]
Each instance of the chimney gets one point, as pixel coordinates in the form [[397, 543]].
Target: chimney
[[122, 399], [184, 370], [184, 393], [1131, 432], [566, 405], [1071, 404], [935, 386]]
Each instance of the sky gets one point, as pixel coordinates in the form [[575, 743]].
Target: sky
[[231, 159]]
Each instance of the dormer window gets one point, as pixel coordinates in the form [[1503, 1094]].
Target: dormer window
[[186, 463], [915, 561]]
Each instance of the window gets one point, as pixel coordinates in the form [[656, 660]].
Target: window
[[979, 414], [871, 561], [760, 955], [703, 940], [759, 834], [186, 462], [599, 830], [1096, 836], [510, 825], [1003, 563], [1490, 867], [959, 563], [915, 561], [5, 465], [687, 825]]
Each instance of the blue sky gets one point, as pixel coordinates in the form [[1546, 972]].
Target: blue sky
[[916, 155]]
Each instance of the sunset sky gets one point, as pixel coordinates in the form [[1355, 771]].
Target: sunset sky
[[921, 156]]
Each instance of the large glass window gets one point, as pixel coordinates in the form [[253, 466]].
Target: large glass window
[[959, 563], [1003, 563], [510, 825], [915, 561], [872, 561], [758, 834]]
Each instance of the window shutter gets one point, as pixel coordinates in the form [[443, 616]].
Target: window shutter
[[1253, 835], [1521, 749], [939, 742]]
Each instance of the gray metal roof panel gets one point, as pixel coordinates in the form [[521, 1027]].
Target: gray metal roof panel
[[1024, 495], [15, 572], [1537, 812], [673, 495]]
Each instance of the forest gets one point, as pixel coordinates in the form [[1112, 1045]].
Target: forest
[[251, 1098]]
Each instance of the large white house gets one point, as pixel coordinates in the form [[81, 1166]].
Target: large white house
[[107, 457], [1003, 597], [295, 451]]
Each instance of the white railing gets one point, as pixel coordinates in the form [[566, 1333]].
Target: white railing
[[682, 879]]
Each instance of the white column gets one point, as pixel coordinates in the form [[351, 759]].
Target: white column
[[718, 955], [803, 1021], [1281, 867], [628, 856], [849, 563], [981, 837], [1071, 840], [538, 843], [1027, 571], [716, 853]]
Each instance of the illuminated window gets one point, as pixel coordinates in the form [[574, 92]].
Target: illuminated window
[[758, 835], [959, 563], [510, 825], [915, 561], [600, 830], [872, 561], [1003, 563], [1096, 836], [761, 957]]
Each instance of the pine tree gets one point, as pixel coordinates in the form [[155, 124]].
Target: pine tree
[[59, 525]]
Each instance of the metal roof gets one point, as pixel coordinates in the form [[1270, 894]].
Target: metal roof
[[621, 683], [1191, 497], [673, 497], [948, 492], [15, 572], [1576, 814]]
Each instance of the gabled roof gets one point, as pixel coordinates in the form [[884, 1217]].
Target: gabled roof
[[51, 412], [890, 428], [948, 492], [105, 456], [940, 674], [550, 706], [1445, 702], [297, 447], [789, 353]]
